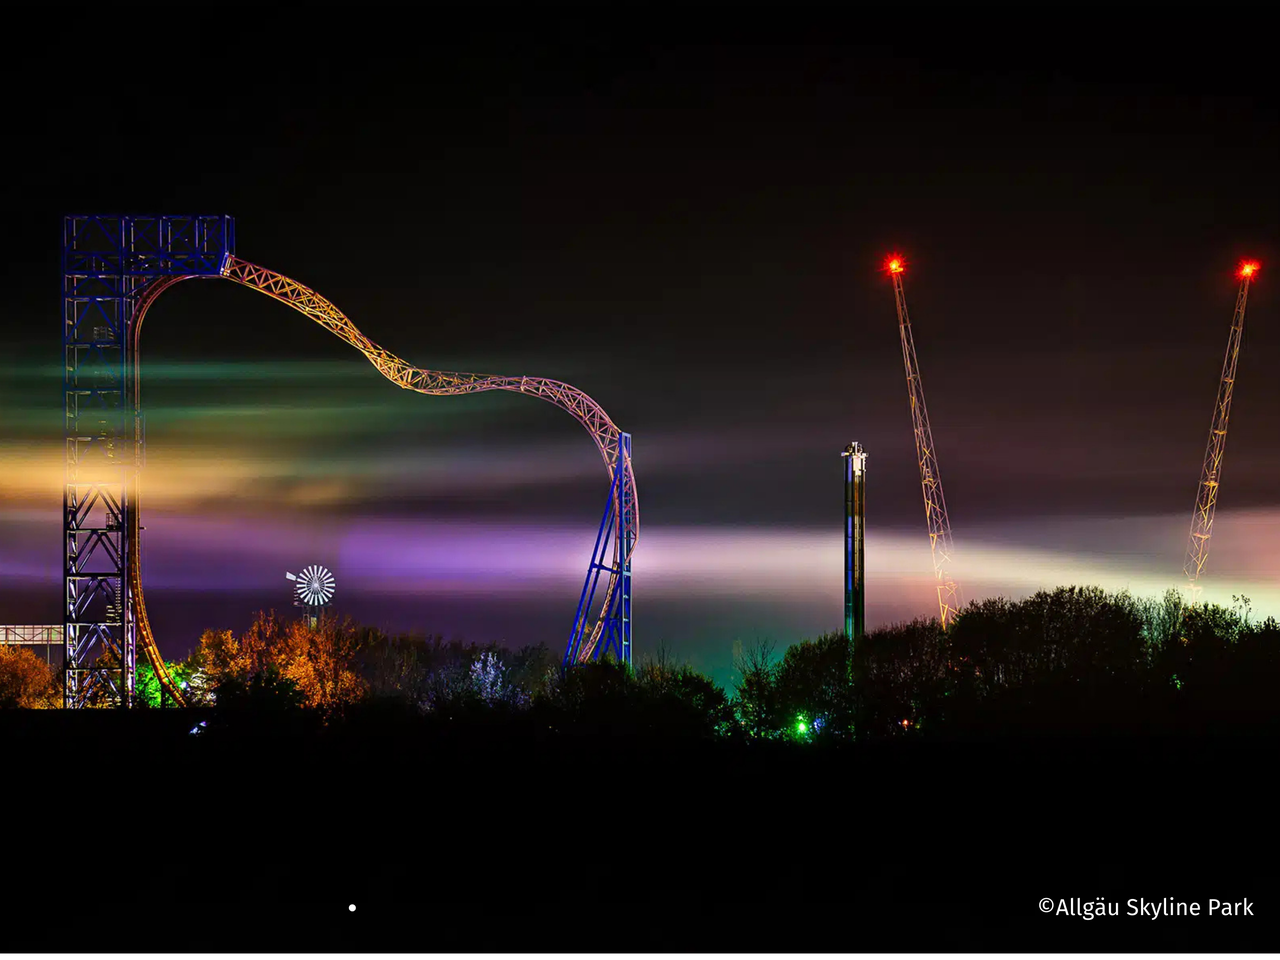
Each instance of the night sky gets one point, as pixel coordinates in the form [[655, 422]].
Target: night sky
[[685, 219]]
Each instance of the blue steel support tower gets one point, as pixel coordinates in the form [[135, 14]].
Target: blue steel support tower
[[107, 265], [611, 556], [855, 487]]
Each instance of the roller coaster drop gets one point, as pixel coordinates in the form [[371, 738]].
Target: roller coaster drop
[[114, 268]]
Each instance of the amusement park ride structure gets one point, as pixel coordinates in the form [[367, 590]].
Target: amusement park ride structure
[[935, 506], [855, 522], [114, 268], [1211, 472]]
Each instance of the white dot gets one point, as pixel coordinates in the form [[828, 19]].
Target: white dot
[[351, 907]]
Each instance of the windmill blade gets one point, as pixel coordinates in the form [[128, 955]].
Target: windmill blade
[[315, 585]]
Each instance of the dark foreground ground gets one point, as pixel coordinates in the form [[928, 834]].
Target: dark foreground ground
[[127, 833]]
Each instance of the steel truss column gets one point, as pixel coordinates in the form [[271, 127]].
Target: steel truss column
[[615, 540], [1211, 471], [108, 262], [935, 505]]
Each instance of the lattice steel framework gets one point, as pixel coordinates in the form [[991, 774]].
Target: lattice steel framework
[[622, 517], [855, 513], [107, 264], [615, 541], [1211, 472], [935, 505], [115, 268], [33, 635]]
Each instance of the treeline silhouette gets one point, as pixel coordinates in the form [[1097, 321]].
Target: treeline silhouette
[[1075, 660], [1072, 660], [948, 779]]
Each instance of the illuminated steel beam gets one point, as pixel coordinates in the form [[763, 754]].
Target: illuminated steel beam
[[613, 623], [615, 617], [1211, 472], [613, 631], [108, 262], [116, 268], [31, 635], [935, 505], [24, 635]]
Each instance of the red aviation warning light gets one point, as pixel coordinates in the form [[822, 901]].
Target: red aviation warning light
[[1248, 269], [895, 264]]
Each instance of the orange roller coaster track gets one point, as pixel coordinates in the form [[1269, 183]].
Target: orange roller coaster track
[[431, 382]]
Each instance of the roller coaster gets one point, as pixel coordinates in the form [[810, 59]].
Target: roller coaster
[[114, 268]]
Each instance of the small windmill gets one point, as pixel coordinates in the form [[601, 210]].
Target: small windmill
[[314, 590]]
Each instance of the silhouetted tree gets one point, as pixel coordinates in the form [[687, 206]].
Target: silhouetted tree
[[394, 667], [1162, 620], [814, 687], [757, 704], [266, 691], [1072, 659], [902, 676], [535, 670], [1198, 661], [679, 701], [598, 695]]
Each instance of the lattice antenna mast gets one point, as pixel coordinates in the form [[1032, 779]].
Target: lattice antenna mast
[[1211, 473], [935, 506]]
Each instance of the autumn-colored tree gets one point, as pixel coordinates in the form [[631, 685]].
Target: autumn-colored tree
[[262, 644], [220, 656], [26, 681], [323, 661]]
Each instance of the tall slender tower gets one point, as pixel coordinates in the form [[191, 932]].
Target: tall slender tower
[[855, 487], [935, 506], [1211, 473]]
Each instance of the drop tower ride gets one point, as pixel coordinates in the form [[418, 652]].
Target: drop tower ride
[[855, 494]]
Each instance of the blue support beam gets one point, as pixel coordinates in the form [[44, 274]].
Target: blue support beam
[[611, 559], [107, 264]]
